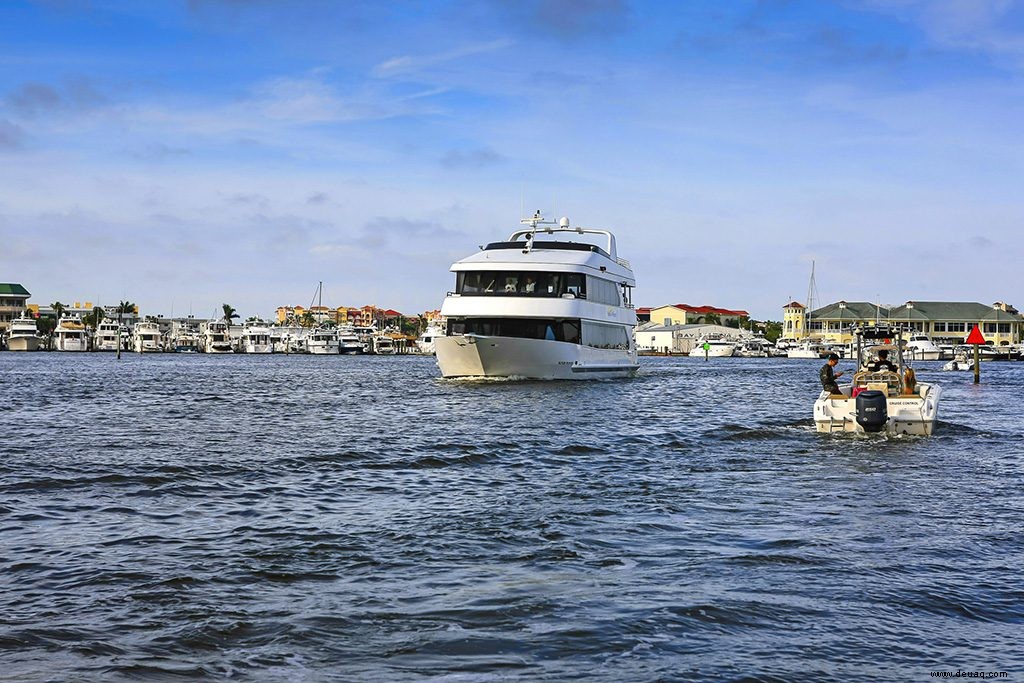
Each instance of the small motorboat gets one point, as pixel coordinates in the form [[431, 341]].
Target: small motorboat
[[880, 400]]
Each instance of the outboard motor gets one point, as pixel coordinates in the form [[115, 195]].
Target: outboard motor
[[872, 410]]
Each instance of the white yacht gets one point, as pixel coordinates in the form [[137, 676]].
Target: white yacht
[[187, 340], [348, 341], [806, 349], [384, 345], [539, 307], [887, 401], [217, 338], [921, 347], [365, 336], [757, 347], [323, 341], [716, 348], [23, 335], [256, 338], [146, 337], [425, 342], [71, 335], [108, 334]]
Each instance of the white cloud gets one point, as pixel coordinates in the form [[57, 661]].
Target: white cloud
[[405, 64]]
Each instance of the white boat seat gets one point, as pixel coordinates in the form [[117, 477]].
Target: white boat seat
[[881, 380]]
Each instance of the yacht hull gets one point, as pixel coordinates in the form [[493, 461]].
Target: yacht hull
[[914, 415], [322, 349], [713, 352], [259, 348], [917, 354], [23, 344], [478, 356]]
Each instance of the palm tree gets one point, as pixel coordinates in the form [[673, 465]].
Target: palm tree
[[229, 313], [59, 309], [46, 325], [123, 308], [93, 320], [308, 319]]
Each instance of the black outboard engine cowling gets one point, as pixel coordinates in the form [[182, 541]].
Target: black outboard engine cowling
[[872, 410]]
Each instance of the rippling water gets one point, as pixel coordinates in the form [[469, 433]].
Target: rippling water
[[358, 518]]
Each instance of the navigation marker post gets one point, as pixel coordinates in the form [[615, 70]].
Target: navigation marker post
[[976, 340], [707, 348]]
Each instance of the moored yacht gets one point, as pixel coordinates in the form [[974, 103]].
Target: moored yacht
[[146, 337], [348, 341], [323, 342], [538, 307], [108, 335], [921, 347], [425, 342], [806, 349], [256, 338], [217, 338], [71, 335], [384, 345], [716, 348], [23, 335]]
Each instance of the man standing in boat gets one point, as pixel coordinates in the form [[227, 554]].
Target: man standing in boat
[[828, 377]]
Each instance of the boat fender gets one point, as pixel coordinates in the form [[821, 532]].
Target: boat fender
[[872, 410]]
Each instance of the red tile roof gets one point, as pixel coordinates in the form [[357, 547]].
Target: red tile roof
[[794, 304], [703, 310]]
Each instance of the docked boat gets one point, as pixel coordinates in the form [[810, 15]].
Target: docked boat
[[807, 349], [146, 337], [108, 335], [539, 307], [256, 338], [425, 342], [365, 335], [758, 347], [348, 341], [217, 338], [713, 348], [71, 335], [887, 401], [384, 345], [23, 335], [186, 340], [921, 347], [323, 342]]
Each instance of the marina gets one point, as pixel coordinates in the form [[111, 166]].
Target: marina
[[229, 534]]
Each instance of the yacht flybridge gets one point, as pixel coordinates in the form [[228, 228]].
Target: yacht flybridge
[[879, 400], [541, 306]]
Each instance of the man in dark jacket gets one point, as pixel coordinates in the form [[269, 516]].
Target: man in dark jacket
[[828, 377], [883, 362]]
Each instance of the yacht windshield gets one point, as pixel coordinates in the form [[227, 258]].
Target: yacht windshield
[[518, 283]]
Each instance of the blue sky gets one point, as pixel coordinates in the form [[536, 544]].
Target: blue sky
[[184, 154]]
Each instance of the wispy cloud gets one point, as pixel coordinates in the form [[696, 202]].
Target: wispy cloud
[[405, 64], [12, 136], [992, 27], [473, 158]]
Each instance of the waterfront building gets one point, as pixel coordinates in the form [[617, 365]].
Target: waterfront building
[[680, 339], [13, 302], [684, 314], [794, 319], [946, 322]]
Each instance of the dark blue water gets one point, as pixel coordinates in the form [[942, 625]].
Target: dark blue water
[[356, 518]]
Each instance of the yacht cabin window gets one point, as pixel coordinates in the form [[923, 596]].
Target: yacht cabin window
[[540, 284]]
